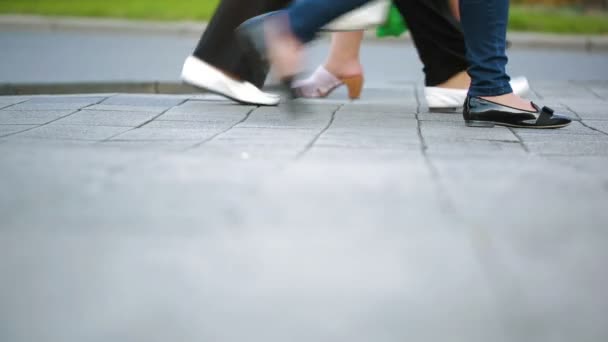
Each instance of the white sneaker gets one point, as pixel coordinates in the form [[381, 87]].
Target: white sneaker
[[438, 98], [202, 75]]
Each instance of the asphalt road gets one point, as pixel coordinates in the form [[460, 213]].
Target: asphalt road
[[39, 56]]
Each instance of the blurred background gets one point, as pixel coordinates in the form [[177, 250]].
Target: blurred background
[[560, 16]]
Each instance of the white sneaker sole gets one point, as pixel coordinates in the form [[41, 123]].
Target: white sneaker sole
[[202, 75], [443, 98]]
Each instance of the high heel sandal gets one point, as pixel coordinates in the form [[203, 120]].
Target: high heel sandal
[[322, 82]]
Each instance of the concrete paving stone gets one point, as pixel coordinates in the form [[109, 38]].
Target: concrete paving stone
[[71, 132], [394, 138], [439, 148], [127, 108], [204, 125], [213, 118], [549, 138], [557, 90], [277, 118], [444, 130], [356, 156], [406, 108], [595, 165], [107, 118], [543, 260], [175, 134], [7, 102], [590, 111], [14, 98], [215, 151], [270, 137], [313, 106], [565, 147], [601, 125], [36, 117], [575, 128], [47, 103], [11, 129], [373, 120], [137, 100], [341, 279], [454, 116], [204, 108], [80, 99], [141, 103], [154, 145]]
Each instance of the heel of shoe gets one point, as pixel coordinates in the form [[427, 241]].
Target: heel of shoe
[[354, 85], [476, 123]]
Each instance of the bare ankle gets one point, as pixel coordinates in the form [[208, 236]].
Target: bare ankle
[[511, 100], [460, 80]]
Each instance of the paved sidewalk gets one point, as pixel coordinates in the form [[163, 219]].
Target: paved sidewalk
[[166, 218]]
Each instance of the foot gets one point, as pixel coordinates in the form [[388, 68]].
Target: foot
[[283, 48], [510, 111], [205, 76], [452, 93], [322, 82], [268, 37], [511, 100]]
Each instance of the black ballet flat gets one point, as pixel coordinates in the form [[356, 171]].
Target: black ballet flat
[[251, 37], [483, 113]]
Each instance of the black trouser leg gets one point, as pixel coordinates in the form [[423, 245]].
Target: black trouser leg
[[218, 45], [437, 36]]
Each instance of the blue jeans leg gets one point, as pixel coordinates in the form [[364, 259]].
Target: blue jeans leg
[[307, 17], [484, 23]]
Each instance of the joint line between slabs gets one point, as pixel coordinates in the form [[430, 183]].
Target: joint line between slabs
[[585, 124], [142, 124], [199, 144], [14, 104], [54, 120], [521, 141], [442, 194], [318, 136]]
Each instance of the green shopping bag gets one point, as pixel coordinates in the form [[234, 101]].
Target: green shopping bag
[[394, 25]]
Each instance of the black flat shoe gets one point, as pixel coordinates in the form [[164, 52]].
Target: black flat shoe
[[251, 36], [483, 113]]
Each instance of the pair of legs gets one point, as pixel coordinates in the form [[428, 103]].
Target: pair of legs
[[484, 24], [437, 35], [280, 36]]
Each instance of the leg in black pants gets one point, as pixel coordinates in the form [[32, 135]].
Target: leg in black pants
[[437, 36], [218, 45], [436, 33]]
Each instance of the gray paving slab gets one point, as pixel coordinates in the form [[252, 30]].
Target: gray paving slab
[[389, 138], [172, 134], [268, 117], [145, 103], [107, 118], [9, 129], [442, 148], [599, 125], [35, 117], [433, 131], [452, 116], [575, 128], [573, 148], [520, 262], [350, 221], [70, 132], [47, 103]]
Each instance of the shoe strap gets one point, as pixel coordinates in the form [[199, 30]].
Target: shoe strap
[[545, 116]]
